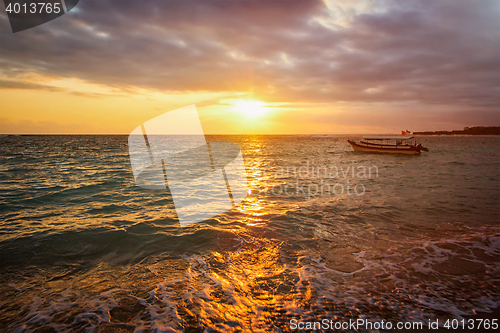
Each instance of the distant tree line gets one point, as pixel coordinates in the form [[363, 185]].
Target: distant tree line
[[478, 130]]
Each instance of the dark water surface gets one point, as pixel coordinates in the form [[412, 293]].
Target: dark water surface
[[402, 238]]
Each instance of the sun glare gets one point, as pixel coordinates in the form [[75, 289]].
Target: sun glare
[[251, 109]]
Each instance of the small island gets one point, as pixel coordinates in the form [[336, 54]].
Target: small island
[[478, 130]]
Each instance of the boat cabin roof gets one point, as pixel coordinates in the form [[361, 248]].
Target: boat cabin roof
[[387, 137]]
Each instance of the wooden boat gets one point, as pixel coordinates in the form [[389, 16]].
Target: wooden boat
[[396, 144]]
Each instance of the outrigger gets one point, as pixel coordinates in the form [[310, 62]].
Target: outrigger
[[396, 144]]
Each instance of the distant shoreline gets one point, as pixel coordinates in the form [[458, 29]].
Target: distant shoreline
[[479, 130]]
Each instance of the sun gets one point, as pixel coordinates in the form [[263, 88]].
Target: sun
[[251, 109]]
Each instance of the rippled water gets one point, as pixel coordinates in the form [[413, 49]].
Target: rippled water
[[82, 247]]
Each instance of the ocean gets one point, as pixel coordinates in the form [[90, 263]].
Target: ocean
[[325, 233]]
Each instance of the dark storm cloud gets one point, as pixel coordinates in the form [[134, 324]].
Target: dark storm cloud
[[444, 52]]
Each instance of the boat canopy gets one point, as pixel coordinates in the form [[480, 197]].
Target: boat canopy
[[387, 137]]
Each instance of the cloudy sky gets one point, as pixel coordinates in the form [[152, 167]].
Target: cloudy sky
[[284, 67]]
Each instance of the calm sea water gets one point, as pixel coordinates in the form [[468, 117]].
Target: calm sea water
[[402, 238]]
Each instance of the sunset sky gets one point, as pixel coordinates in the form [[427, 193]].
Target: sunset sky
[[255, 67]]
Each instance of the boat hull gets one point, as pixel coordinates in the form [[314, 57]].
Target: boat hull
[[372, 148]]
